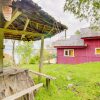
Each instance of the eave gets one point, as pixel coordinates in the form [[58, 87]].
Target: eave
[[88, 38], [71, 47]]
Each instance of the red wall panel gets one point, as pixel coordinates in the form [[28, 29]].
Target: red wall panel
[[82, 55]]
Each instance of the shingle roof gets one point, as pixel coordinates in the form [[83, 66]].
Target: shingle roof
[[88, 32], [74, 40]]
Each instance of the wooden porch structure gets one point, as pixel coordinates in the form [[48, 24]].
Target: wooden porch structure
[[28, 23]]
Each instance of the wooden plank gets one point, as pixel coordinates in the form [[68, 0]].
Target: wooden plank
[[24, 92], [41, 74], [51, 30], [13, 18], [17, 32], [26, 24], [37, 25]]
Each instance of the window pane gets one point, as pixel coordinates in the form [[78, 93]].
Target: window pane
[[97, 51], [66, 52], [71, 52]]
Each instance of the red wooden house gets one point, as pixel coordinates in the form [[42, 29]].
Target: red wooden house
[[79, 48]]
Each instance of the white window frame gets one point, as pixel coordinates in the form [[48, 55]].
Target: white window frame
[[68, 52], [95, 51]]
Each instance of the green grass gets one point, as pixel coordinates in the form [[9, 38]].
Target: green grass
[[85, 77]]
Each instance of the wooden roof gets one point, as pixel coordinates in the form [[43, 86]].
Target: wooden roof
[[31, 22], [74, 40]]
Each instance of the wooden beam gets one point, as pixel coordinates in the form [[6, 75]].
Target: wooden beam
[[43, 28], [1, 44], [65, 35], [2, 35], [23, 92], [40, 24], [17, 32], [13, 18], [48, 78], [44, 75], [13, 53], [41, 54], [26, 24], [37, 25], [51, 30], [1, 50]]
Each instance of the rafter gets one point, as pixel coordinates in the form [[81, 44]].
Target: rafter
[[17, 32], [12, 19], [26, 24]]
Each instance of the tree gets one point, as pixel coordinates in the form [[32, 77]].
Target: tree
[[47, 56], [84, 9], [77, 32], [25, 50]]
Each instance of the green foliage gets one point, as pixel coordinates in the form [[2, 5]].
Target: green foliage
[[34, 59], [7, 63], [77, 32], [95, 27], [84, 9], [85, 77], [46, 55], [24, 50]]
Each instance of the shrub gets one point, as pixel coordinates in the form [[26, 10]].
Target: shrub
[[34, 60]]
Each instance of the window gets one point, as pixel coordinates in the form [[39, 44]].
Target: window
[[69, 52], [97, 51]]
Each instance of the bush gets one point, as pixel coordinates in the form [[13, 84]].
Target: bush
[[34, 60]]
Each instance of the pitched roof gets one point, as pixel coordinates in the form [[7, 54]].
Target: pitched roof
[[74, 40], [77, 40], [40, 21], [88, 32]]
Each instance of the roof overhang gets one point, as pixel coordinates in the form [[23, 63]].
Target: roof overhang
[[71, 47], [28, 16], [94, 37]]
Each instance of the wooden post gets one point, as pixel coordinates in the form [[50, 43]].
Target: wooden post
[[41, 56], [1, 51], [1, 43], [13, 53], [2, 35], [65, 35], [47, 83]]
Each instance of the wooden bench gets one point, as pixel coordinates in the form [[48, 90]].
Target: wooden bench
[[23, 92], [48, 78]]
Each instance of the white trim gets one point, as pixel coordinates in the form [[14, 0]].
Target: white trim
[[68, 52], [96, 52]]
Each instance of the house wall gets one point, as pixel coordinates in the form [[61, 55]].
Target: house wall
[[82, 55]]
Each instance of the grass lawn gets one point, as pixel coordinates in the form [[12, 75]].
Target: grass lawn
[[84, 77]]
